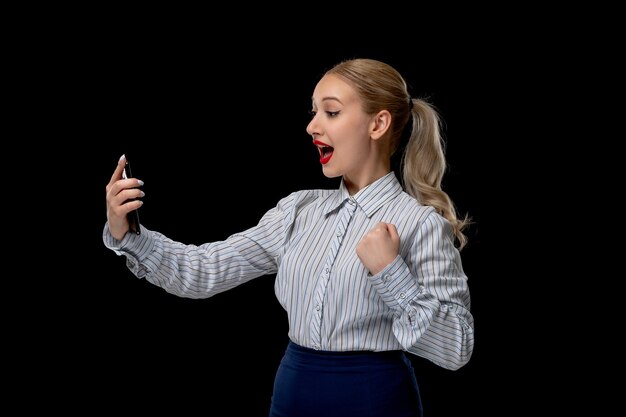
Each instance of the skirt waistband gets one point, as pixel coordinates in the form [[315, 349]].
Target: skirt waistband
[[305, 356]]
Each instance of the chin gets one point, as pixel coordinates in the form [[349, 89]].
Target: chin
[[330, 173]]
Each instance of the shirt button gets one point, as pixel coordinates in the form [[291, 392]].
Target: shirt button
[[386, 278], [327, 270], [402, 295], [339, 232], [317, 307]]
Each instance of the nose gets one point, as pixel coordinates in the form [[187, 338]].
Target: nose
[[311, 128]]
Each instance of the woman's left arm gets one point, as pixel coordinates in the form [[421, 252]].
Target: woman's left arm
[[427, 288]]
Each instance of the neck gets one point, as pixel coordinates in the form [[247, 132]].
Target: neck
[[355, 183]]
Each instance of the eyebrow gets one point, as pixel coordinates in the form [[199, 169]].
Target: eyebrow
[[329, 98]]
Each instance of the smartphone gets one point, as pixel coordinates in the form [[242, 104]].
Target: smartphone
[[133, 216]]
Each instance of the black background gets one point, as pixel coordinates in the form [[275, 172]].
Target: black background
[[216, 130]]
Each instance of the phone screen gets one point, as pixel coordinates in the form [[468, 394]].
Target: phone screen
[[133, 216]]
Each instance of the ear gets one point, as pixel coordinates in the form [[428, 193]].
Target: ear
[[380, 124]]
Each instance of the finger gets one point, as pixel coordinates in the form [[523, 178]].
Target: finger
[[382, 228], [132, 205], [130, 194], [127, 195], [118, 183], [117, 174], [393, 232]]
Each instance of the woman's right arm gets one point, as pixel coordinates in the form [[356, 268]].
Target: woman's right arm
[[189, 270]]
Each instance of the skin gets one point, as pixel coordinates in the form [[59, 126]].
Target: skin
[[361, 155], [118, 191]]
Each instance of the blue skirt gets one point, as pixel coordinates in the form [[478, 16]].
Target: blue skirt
[[344, 384]]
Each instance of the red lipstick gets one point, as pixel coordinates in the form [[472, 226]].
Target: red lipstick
[[326, 151]]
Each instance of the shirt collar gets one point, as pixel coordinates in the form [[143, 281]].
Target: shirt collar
[[370, 198]]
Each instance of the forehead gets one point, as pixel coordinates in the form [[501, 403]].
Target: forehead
[[332, 86]]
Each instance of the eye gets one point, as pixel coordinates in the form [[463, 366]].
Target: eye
[[312, 113], [332, 113]]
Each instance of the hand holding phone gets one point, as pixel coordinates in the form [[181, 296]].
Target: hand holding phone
[[133, 216]]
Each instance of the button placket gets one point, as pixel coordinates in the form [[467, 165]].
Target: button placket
[[346, 214]]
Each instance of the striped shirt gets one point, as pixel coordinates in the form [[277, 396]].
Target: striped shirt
[[419, 303]]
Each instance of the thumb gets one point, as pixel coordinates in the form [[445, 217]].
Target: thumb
[[117, 174]]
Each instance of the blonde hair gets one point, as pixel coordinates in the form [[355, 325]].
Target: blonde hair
[[381, 87]]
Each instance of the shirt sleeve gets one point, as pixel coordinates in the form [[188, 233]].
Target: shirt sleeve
[[428, 290], [202, 271]]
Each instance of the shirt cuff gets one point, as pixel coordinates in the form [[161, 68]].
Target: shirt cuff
[[396, 285], [133, 246]]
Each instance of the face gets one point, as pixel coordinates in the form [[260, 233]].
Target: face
[[340, 128]]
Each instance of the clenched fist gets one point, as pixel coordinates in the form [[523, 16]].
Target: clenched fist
[[379, 247]]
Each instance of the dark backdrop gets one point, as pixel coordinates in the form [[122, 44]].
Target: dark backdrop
[[218, 136]]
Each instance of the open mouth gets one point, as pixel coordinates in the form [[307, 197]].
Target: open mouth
[[326, 151]]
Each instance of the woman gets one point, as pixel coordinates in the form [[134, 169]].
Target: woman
[[367, 272]]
